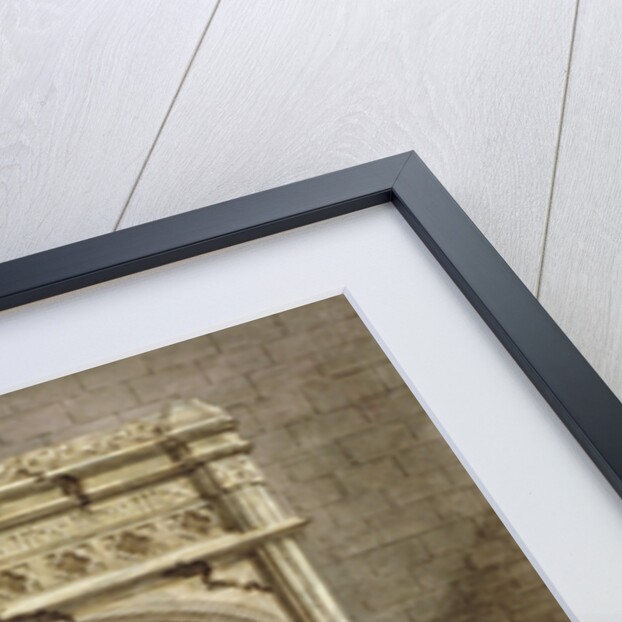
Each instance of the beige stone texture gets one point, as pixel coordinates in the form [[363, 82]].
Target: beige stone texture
[[167, 517], [397, 529]]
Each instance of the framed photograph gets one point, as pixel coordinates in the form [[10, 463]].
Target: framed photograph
[[332, 400]]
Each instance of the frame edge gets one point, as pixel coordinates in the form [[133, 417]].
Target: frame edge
[[561, 374], [568, 383]]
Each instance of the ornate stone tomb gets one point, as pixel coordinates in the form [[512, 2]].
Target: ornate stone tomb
[[160, 521]]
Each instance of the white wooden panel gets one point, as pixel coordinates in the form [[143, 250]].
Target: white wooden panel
[[281, 91], [582, 276], [84, 87]]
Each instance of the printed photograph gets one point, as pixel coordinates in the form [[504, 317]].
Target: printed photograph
[[275, 471]]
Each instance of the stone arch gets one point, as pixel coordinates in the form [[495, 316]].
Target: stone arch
[[186, 611], [180, 528]]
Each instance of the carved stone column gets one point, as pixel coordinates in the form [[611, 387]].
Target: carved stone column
[[160, 521]]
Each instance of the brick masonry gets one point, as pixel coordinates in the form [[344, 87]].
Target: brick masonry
[[398, 530]]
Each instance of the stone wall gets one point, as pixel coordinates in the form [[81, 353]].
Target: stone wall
[[398, 530]]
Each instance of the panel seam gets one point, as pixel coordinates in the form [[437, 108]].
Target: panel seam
[[547, 219], [166, 116]]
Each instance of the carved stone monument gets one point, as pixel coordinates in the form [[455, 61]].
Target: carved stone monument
[[160, 521]]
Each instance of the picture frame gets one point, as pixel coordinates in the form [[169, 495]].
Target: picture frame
[[482, 357], [572, 388]]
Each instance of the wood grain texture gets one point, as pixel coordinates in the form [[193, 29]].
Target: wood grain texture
[[582, 271], [280, 92], [84, 87]]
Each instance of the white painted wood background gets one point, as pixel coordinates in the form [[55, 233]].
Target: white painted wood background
[[116, 113]]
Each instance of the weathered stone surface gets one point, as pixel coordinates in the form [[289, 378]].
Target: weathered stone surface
[[88, 523], [300, 418]]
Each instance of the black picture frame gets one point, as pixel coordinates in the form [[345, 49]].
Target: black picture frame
[[572, 388]]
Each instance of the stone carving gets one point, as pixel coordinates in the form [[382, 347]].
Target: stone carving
[[82, 521], [241, 575], [18, 581], [12, 470], [198, 521], [134, 544], [113, 551], [38, 462], [236, 471], [173, 508], [194, 610], [74, 563]]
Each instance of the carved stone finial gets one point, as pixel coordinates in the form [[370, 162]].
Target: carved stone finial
[[235, 472]]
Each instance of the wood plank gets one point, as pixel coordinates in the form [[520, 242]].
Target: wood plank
[[582, 273], [280, 92], [84, 87]]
